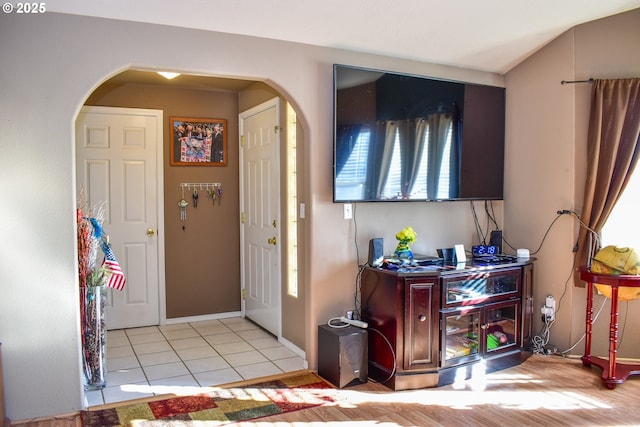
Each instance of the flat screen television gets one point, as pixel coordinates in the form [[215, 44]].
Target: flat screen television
[[400, 137]]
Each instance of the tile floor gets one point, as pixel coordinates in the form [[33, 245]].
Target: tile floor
[[155, 360]]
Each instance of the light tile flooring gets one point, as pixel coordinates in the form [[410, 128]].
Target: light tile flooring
[[155, 360]]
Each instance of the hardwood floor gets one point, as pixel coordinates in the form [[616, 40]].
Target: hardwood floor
[[543, 391]]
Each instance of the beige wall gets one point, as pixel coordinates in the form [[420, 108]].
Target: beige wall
[[69, 57], [540, 165], [202, 264], [546, 157], [54, 62]]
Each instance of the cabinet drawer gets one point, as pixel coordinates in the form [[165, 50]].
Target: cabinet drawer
[[480, 287]]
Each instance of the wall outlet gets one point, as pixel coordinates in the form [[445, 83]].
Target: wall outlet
[[348, 211], [549, 309]]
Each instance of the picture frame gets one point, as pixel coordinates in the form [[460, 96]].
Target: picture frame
[[198, 141]]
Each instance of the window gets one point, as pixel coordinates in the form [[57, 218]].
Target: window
[[444, 182], [351, 179], [392, 188], [292, 203], [419, 190], [622, 227]]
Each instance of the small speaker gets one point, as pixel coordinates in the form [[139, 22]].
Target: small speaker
[[496, 239], [376, 249], [342, 355]]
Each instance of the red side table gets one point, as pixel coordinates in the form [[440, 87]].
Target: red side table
[[612, 373]]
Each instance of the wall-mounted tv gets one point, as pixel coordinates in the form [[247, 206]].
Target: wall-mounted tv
[[400, 137]]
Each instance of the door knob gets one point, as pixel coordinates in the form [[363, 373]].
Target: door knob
[[151, 232], [272, 240]]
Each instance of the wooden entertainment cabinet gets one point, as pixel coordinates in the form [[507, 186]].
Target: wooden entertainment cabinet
[[431, 325]]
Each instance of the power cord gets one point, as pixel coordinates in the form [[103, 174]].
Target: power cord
[[393, 356], [356, 294], [563, 353], [355, 234], [491, 215], [332, 323], [575, 249], [337, 326], [543, 237], [541, 341], [482, 235], [357, 302]]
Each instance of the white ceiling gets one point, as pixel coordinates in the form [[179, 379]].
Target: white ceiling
[[487, 35]]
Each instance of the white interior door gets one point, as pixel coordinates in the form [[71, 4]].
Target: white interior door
[[119, 164], [260, 207]]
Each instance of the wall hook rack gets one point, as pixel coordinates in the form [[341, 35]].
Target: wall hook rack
[[205, 186]]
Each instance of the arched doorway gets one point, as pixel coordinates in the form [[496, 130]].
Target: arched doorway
[[141, 89]]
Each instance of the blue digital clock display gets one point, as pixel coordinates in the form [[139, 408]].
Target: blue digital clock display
[[485, 250]]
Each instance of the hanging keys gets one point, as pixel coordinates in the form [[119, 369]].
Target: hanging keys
[[211, 190], [182, 204]]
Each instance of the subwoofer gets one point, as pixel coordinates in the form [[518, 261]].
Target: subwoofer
[[342, 355]]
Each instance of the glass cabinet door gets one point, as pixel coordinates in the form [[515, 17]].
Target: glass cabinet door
[[501, 327], [461, 333]]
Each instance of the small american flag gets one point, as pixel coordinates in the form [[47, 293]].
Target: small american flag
[[117, 279]]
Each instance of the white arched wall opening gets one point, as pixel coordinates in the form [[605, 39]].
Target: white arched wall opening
[[212, 84]]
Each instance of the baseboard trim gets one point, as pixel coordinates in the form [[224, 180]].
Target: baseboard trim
[[72, 417], [291, 346], [202, 318]]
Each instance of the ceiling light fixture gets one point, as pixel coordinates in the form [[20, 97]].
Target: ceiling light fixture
[[168, 75]]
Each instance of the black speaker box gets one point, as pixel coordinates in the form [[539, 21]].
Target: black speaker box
[[496, 239], [376, 249], [342, 355]]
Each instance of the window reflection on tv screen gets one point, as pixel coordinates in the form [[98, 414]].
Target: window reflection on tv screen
[[400, 137]]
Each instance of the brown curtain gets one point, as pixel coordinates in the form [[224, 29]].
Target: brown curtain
[[612, 154]]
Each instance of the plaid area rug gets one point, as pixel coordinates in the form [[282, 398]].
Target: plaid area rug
[[220, 406]]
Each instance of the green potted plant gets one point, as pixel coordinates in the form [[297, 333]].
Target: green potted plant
[[405, 237]]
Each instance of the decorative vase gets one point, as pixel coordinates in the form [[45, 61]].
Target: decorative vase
[[94, 340], [403, 251]]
